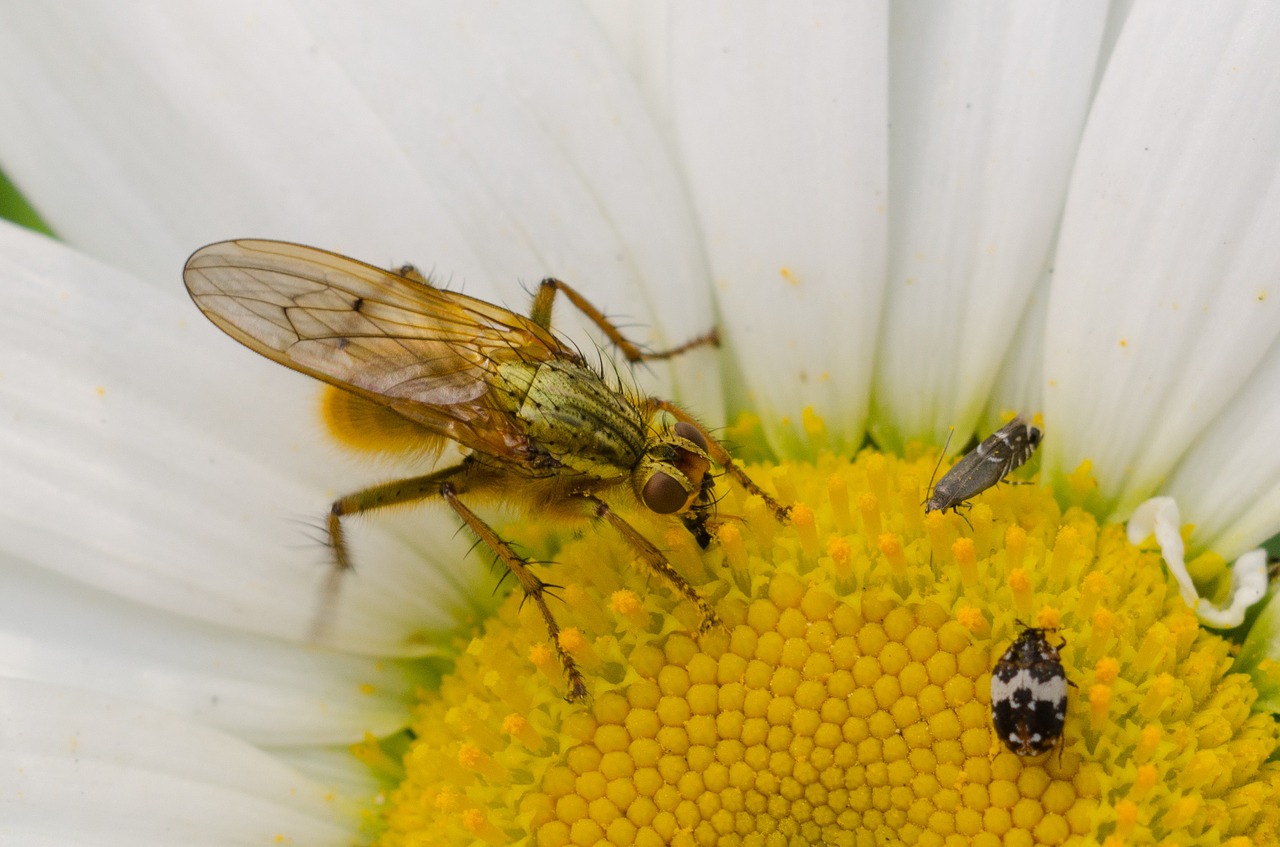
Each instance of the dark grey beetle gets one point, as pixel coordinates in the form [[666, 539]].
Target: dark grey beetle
[[985, 465]]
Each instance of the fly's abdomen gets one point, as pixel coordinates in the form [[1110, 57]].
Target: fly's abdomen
[[580, 420]]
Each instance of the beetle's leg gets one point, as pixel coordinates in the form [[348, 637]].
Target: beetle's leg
[[966, 505], [541, 315], [655, 561], [448, 484], [721, 456]]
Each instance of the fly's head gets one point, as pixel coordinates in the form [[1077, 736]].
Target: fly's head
[[674, 475], [700, 513]]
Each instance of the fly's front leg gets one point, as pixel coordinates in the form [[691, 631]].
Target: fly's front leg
[[655, 561], [541, 315], [448, 484], [721, 457]]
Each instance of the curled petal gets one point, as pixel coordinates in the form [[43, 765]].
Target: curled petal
[[1159, 516]]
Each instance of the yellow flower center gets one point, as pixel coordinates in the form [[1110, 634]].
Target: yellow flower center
[[847, 698]]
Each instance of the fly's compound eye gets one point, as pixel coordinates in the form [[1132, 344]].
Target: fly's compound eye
[[664, 494], [692, 433]]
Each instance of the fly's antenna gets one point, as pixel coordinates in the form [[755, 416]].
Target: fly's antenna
[[941, 456]]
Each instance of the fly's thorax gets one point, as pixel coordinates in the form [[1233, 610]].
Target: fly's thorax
[[674, 469], [572, 414]]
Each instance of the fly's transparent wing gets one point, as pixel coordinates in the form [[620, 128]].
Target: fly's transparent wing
[[429, 354]]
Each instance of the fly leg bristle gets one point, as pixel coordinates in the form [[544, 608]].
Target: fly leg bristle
[[535, 590]]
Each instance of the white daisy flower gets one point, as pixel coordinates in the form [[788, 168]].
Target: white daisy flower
[[902, 218]]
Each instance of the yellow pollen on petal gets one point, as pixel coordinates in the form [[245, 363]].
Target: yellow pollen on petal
[[814, 426], [844, 697]]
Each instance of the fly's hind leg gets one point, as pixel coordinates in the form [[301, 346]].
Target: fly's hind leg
[[541, 315], [448, 484]]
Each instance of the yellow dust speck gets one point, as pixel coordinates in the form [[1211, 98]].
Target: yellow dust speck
[[814, 426], [788, 276], [100, 390]]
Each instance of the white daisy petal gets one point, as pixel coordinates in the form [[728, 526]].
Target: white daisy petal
[[1160, 517], [986, 106], [1230, 479], [268, 692], [82, 768], [539, 141], [639, 35], [488, 148], [113, 475], [1160, 313], [780, 121], [141, 133], [1019, 387], [334, 767]]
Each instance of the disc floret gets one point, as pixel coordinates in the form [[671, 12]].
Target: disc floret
[[846, 700]]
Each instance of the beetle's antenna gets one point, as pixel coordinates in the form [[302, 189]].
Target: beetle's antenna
[[941, 456]]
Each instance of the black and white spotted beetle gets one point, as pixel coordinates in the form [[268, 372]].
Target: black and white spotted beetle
[[1029, 693], [982, 467]]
